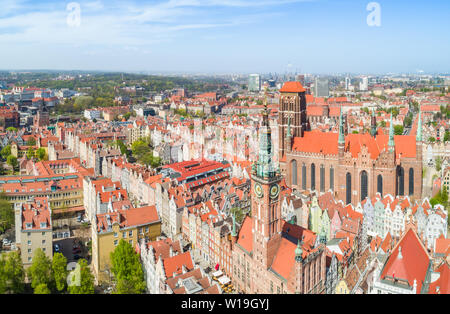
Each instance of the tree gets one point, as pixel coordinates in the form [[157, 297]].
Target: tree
[[30, 153], [86, 285], [438, 163], [398, 129], [41, 154], [40, 270], [59, 268], [12, 275], [6, 213], [431, 139], [6, 151], [42, 289], [11, 129], [140, 148], [127, 268], [447, 136], [12, 161], [31, 142]]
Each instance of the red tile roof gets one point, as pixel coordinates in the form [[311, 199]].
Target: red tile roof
[[413, 262], [292, 87], [245, 239]]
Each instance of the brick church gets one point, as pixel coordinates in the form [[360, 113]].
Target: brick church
[[353, 166], [269, 254]]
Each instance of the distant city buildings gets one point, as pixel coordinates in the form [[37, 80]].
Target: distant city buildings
[[254, 83], [321, 87]]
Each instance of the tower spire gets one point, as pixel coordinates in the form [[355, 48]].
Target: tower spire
[[374, 124], [419, 127], [391, 142], [264, 166], [341, 129]]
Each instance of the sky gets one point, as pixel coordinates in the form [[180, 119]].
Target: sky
[[227, 36]]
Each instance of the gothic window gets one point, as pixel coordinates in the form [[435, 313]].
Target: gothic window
[[322, 178], [332, 178], [348, 180], [400, 181], [380, 184], [313, 177], [364, 185], [411, 181], [294, 172], [304, 177]]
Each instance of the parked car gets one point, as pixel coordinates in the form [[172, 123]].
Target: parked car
[[76, 257], [76, 250], [56, 248]]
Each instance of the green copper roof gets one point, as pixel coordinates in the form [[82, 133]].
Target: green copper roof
[[419, 127], [391, 142], [341, 129]]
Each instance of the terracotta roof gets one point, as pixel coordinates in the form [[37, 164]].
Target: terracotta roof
[[245, 239], [412, 264], [292, 87]]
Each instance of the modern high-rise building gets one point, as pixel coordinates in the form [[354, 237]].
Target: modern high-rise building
[[321, 88], [254, 83], [348, 82], [364, 84], [300, 78]]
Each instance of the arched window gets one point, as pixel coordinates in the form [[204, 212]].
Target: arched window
[[304, 177], [332, 178], [400, 181], [411, 181], [348, 190], [322, 178], [380, 184], [364, 185], [294, 172], [313, 177]]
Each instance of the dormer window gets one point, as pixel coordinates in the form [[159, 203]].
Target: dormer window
[[43, 225], [28, 225]]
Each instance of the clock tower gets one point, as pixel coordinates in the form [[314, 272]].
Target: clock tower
[[265, 195]]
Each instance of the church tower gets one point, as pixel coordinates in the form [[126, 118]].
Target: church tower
[[265, 196], [293, 109]]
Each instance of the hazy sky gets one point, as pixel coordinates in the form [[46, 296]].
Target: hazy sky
[[318, 36]]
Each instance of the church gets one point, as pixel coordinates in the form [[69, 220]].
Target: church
[[269, 254], [352, 166]]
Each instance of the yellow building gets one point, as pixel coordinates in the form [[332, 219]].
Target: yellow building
[[65, 191], [341, 287], [130, 225]]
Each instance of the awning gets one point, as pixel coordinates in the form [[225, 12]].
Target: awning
[[224, 280], [217, 274]]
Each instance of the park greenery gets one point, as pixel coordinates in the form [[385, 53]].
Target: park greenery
[[127, 270], [50, 276], [142, 152], [6, 214], [12, 274]]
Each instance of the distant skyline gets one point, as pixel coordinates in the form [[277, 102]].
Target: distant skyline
[[226, 36]]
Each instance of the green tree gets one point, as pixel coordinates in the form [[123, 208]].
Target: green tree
[[127, 268], [447, 136], [86, 285], [398, 129], [30, 153], [12, 161], [12, 275], [59, 268], [31, 141], [431, 139], [40, 270], [6, 213], [11, 129], [139, 148], [42, 289], [438, 164], [41, 154], [6, 151]]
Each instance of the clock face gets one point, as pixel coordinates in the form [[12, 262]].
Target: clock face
[[258, 190], [274, 191]]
